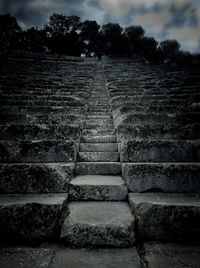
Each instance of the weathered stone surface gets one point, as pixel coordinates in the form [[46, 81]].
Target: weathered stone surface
[[158, 118], [35, 178], [98, 168], [98, 138], [166, 177], [160, 151], [98, 147], [98, 224], [31, 218], [171, 255], [39, 132], [164, 132], [97, 187], [167, 217], [37, 151], [96, 258], [98, 156], [25, 257]]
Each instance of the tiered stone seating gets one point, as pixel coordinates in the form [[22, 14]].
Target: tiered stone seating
[[42, 108], [157, 116]]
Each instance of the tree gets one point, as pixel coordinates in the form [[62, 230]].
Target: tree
[[134, 34], [112, 33], [89, 33], [9, 28], [170, 48]]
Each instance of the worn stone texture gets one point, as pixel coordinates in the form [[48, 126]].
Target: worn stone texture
[[25, 257], [35, 178], [39, 132], [97, 224], [37, 151], [31, 218], [96, 258], [98, 156], [98, 168], [171, 255], [160, 151], [98, 188], [166, 217], [166, 177]]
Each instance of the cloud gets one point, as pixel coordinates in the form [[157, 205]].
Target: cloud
[[162, 19]]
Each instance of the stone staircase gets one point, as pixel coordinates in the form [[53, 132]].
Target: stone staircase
[[108, 222], [98, 156]]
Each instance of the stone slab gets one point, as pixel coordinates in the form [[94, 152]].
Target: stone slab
[[37, 151], [167, 217], [98, 156], [98, 168], [35, 178], [31, 218], [166, 177], [25, 257], [171, 255], [39, 132], [98, 147], [97, 187], [97, 224], [96, 258], [160, 151]]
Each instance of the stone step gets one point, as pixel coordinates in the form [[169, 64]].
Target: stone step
[[97, 117], [35, 178], [96, 124], [99, 121], [98, 156], [98, 224], [98, 132], [164, 132], [98, 139], [98, 147], [167, 217], [57, 257], [31, 218], [97, 113], [166, 177], [97, 188], [37, 151], [160, 151], [100, 168], [157, 255], [39, 132]]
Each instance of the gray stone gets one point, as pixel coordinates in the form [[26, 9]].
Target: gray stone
[[35, 178], [98, 168], [160, 151], [98, 139], [167, 217], [97, 187], [39, 132], [164, 132], [171, 255], [166, 177], [25, 257], [98, 147], [98, 156], [98, 224], [31, 218], [96, 258], [37, 151]]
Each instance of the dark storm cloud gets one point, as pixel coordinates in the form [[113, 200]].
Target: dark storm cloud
[[163, 19]]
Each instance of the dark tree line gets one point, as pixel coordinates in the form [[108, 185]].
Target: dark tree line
[[71, 36]]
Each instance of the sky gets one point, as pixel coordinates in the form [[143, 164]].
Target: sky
[[162, 19]]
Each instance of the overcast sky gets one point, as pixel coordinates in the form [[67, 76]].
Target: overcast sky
[[163, 19]]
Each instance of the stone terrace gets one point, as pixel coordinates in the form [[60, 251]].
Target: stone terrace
[[98, 156]]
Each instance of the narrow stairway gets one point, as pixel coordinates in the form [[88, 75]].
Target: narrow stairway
[[99, 214]]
